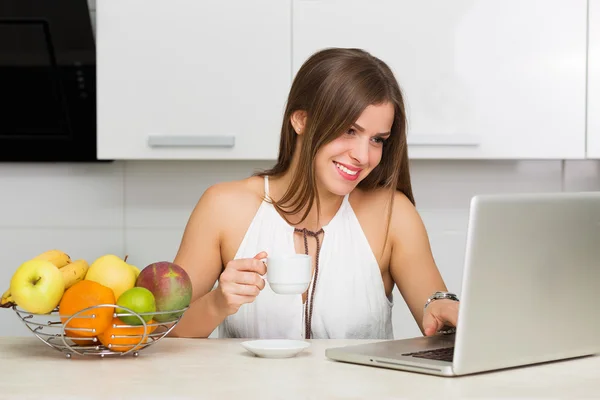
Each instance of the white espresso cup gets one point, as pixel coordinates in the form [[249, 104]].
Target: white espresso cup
[[289, 274]]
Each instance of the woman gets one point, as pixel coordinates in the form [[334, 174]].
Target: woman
[[341, 192]]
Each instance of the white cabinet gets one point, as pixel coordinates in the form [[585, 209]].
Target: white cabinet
[[484, 79], [192, 79], [593, 105]]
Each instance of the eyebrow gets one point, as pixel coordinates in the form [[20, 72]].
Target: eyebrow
[[360, 128]]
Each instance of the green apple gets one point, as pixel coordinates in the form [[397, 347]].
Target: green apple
[[139, 300], [37, 286]]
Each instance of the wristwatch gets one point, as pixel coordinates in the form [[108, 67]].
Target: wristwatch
[[439, 296]]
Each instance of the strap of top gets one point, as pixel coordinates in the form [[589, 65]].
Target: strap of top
[[267, 188]]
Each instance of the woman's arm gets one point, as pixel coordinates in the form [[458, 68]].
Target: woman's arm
[[200, 255], [412, 265]]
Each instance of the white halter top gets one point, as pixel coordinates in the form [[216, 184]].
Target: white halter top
[[349, 296]]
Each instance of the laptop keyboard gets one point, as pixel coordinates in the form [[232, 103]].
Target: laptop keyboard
[[445, 354]]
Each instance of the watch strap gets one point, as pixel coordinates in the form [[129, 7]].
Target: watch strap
[[440, 296]]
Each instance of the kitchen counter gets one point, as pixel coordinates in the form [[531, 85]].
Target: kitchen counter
[[222, 369]]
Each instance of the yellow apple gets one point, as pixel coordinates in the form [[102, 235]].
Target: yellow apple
[[113, 272], [136, 270], [37, 286]]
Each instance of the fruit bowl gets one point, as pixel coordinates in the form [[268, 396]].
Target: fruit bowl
[[66, 334]]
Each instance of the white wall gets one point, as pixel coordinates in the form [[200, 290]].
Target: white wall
[[140, 208]]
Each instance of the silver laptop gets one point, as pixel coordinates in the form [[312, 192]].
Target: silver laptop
[[530, 291]]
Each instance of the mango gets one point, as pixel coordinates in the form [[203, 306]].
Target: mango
[[171, 287]]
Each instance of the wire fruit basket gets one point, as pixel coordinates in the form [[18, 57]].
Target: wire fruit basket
[[57, 330]]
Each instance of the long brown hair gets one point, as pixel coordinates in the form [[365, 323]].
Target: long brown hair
[[333, 87]]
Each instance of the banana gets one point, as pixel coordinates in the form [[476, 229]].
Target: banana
[[74, 272], [7, 300], [56, 257]]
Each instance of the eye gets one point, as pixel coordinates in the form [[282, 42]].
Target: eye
[[351, 131], [380, 140]]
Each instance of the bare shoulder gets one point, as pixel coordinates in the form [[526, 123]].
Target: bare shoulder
[[406, 224], [229, 208], [222, 211], [226, 205], [405, 219], [371, 201], [404, 210], [379, 200], [233, 196]]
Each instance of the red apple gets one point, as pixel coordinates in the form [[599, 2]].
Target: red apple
[[171, 287]]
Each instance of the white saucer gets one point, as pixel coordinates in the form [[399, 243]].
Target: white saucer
[[275, 348]]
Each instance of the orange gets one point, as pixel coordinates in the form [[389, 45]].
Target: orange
[[87, 341], [82, 295], [121, 337]]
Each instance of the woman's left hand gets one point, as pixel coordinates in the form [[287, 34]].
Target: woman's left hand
[[438, 314]]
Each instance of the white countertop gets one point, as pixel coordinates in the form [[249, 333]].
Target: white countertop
[[222, 369]]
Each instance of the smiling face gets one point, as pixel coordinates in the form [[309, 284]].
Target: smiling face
[[342, 104], [342, 163]]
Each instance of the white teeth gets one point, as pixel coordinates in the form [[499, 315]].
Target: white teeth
[[346, 170]]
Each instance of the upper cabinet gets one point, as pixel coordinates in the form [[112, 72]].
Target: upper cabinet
[[593, 105], [191, 79], [487, 79]]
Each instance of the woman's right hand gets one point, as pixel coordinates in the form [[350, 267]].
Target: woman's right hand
[[241, 282]]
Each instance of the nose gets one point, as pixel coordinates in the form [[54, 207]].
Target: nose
[[360, 151]]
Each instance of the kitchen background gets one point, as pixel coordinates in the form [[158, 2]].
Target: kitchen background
[[140, 208]]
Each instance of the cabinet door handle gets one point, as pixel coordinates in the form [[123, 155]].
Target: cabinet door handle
[[444, 140], [191, 141]]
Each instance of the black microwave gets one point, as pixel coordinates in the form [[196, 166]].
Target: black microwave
[[47, 81]]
